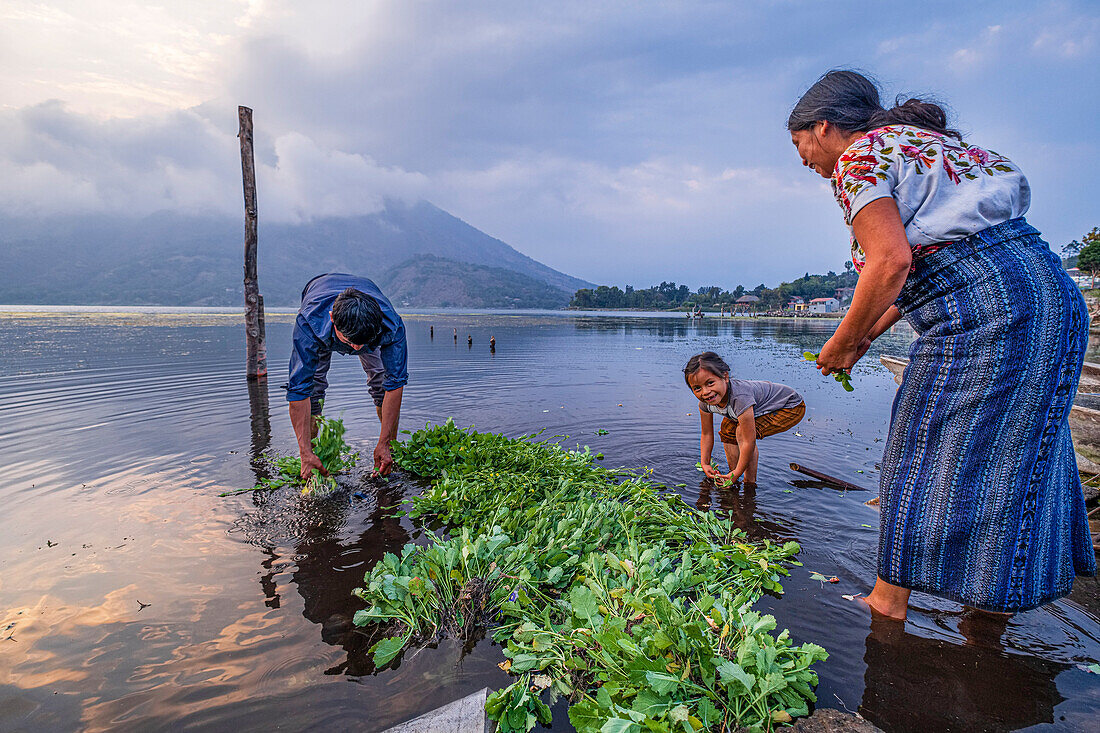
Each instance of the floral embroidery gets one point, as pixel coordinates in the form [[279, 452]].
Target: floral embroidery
[[866, 162]]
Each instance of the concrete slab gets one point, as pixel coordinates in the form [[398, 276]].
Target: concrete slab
[[466, 715]]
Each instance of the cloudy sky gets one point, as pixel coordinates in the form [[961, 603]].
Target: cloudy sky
[[623, 142]]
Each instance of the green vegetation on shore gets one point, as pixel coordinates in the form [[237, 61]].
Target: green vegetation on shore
[[599, 586], [669, 295]]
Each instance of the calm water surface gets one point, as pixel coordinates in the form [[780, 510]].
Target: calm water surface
[[132, 597]]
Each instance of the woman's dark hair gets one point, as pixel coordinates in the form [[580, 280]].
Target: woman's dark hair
[[850, 101], [357, 315], [707, 360]]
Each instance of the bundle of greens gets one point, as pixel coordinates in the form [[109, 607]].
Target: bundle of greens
[[329, 446], [841, 376], [599, 586]]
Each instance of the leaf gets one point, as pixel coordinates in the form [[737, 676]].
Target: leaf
[[386, 649], [662, 683], [781, 716], [585, 716], [541, 681], [584, 603], [524, 663], [736, 678], [619, 725]]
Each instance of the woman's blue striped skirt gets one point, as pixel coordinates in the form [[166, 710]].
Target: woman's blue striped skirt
[[981, 500]]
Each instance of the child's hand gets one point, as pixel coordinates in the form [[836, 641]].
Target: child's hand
[[725, 479]]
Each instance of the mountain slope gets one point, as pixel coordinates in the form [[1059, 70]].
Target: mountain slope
[[434, 282], [174, 259]]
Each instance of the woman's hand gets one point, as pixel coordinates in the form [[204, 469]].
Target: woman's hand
[[837, 355]]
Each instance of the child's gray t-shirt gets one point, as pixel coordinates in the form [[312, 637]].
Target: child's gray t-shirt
[[763, 397]]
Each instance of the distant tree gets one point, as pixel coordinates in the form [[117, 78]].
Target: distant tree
[[1088, 259]]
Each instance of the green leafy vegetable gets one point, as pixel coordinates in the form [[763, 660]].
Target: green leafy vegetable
[[329, 446], [598, 585], [841, 376]]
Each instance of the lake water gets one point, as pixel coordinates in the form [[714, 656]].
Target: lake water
[[133, 597]]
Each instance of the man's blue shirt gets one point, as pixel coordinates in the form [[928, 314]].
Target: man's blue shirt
[[314, 335]]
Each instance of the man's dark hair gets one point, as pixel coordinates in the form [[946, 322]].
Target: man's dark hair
[[357, 315], [707, 360]]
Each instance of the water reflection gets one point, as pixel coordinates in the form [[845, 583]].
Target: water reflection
[[738, 504], [328, 544], [259, 416], [916, 683]]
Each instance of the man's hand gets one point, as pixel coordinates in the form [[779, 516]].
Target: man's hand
[[310, 461], [710, 471], [383, 459]]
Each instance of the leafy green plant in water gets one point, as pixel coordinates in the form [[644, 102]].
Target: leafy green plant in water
[[329, 446], [841, 376], [599, 586]]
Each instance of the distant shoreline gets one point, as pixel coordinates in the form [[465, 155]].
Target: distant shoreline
[[282, 314]]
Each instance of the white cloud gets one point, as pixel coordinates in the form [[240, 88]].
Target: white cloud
[[620, 142], [53, 161], [309, 182]]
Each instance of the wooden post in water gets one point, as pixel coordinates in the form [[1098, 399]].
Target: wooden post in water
[[255, 344]]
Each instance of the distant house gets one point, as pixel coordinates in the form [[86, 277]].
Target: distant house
[[1083, 279], [824, 305], [843, 294], [796, 303], [745, 303]]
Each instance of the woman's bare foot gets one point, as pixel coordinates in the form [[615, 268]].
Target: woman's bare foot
[[888, 600]]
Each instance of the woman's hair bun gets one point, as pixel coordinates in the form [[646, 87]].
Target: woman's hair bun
[[850, 101]]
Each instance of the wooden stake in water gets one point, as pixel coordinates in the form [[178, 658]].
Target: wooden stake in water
[[255, 342]]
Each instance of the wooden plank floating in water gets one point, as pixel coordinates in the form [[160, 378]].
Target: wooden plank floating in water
[[826, 478]]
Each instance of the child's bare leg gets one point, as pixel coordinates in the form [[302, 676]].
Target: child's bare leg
[[733, 454], [750, 472]]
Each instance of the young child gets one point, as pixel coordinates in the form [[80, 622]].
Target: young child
[[750, 410]]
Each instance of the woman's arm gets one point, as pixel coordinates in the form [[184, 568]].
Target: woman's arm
[[884, 324], [706, 442], [878, 229]]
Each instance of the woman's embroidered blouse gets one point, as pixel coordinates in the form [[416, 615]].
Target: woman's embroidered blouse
[[945, 189]]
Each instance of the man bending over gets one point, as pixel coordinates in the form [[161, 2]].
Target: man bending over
[[349, 315]]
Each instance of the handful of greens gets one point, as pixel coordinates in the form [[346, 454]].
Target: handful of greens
[[841, 376], [329, 446]]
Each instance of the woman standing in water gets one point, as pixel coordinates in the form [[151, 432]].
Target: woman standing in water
[[980, 496]]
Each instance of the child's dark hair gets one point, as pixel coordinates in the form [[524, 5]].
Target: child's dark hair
[[707, 360]]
